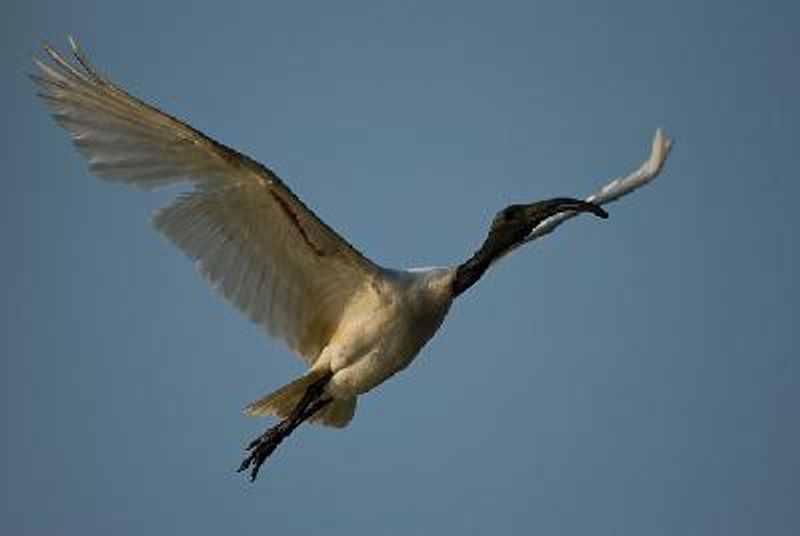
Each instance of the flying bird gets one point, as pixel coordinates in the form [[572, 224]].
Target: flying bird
[[353, 322]]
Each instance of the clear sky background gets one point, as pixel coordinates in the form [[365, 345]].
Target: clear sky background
[[634, 376]]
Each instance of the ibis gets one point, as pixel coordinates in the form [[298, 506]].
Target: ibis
[[355, 323]]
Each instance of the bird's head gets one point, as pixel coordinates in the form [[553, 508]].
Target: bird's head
[[514, 223], [510, 227]]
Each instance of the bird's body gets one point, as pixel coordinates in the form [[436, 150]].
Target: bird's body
[[383, 328], [354, 322]]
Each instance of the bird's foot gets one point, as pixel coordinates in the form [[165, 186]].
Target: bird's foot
[[261, 448]]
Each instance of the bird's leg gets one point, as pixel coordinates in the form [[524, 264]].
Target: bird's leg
[[261, 448]]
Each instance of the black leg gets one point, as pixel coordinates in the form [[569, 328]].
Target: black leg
[[261, 448]]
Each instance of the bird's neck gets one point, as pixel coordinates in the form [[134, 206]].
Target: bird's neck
[[469, 272]]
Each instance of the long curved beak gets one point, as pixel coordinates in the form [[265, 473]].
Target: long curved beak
[[541, 210]]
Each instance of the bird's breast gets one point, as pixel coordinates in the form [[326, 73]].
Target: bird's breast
[[380, 334]]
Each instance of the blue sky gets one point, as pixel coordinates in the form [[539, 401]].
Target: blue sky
[[631, 376]]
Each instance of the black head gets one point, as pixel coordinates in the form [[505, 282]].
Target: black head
[[514, 223], [534, 213], [509, 228]]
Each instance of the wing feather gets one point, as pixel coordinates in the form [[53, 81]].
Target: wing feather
[[258, 244]]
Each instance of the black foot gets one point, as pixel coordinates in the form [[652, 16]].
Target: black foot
[[260, 449]]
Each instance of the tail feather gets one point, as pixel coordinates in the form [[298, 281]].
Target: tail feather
[[281, 402]]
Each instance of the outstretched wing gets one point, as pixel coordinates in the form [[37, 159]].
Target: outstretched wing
[[260, 246]]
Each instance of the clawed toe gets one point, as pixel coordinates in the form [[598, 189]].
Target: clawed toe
[[260, 449], [264, 445]]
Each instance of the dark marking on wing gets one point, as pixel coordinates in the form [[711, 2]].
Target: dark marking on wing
[[295, 220]]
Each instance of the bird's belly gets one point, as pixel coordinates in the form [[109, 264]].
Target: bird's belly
[[367, 371], [376, 353]]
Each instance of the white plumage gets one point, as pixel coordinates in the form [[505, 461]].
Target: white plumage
[[354, 322]]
